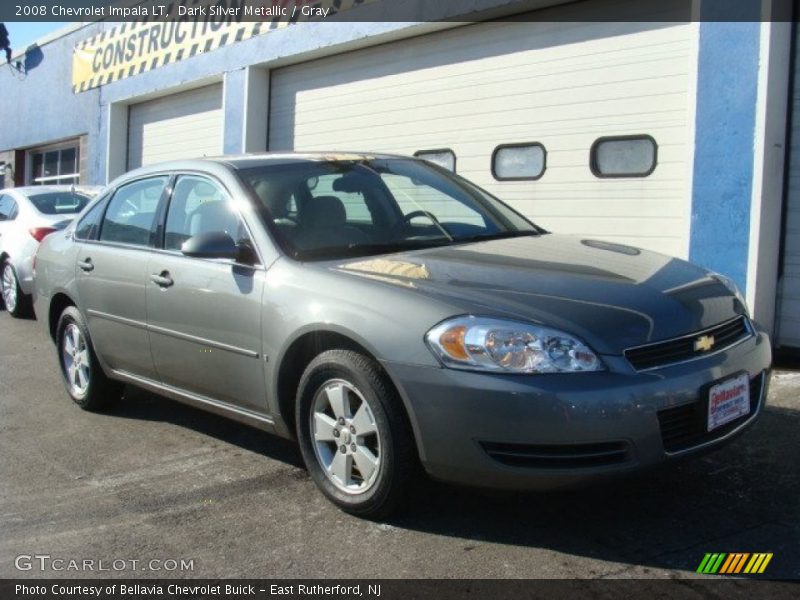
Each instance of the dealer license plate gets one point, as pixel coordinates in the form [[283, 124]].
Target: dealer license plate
[[728, 400]]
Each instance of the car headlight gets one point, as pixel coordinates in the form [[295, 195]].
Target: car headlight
[[733, 288], [497, 345]]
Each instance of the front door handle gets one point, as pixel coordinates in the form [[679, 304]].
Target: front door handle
[[162, 279], [86, 265]]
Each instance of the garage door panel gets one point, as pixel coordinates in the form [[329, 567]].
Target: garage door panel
[[444, 102], [571, 133], [563, 84], [567, 46], [595, 81], [403, 122], [184, 125]]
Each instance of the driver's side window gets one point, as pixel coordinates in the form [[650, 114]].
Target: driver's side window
[[200, 205]]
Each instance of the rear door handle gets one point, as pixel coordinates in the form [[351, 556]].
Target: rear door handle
[[162, 279], [86, 265]]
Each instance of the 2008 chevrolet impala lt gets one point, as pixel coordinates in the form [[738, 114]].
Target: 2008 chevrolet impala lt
[[394, 318]]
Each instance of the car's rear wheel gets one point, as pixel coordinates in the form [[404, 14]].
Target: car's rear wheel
[[354, 436], [84, 378], [17, 304]]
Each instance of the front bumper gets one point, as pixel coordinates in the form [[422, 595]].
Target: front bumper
[[560, 430]]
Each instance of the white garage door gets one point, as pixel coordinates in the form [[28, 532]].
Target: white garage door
[[561, 84], [183, 125], [788, 328]]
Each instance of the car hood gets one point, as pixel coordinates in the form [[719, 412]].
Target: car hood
[[612, 296]]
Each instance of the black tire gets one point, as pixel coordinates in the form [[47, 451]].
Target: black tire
[[24, 305], [399, 464], [100, 392]]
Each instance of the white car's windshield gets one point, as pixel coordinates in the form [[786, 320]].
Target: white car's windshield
[[327, 209]]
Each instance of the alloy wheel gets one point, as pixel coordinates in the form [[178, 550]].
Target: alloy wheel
[[347, 443], [9, 284], [75, 360]]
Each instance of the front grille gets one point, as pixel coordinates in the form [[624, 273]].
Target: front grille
[[558, 456], [684, 426], [668, 352]]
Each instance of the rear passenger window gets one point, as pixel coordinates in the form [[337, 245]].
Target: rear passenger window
[[89, 225], [624, 156], [132, 212]]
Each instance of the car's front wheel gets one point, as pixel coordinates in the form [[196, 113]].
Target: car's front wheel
[[354, 436], [17, 304], [84, 378]]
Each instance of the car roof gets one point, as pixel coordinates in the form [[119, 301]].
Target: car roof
[[244, 161]]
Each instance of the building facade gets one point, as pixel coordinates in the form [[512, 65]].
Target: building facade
[[669, 128]]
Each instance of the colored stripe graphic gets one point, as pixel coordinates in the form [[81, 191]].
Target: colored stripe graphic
[[711, 563], [740, 563], [727, 564], [717, 564], [758, 563], [734, 563], [703, 563], [765, 563]]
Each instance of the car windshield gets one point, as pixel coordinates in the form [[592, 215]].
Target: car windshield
[[59, 203], [326, 209]]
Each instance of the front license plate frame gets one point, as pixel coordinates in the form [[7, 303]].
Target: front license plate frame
[[727, 400]]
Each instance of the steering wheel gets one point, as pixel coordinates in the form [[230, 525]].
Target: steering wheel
[[420, 213]]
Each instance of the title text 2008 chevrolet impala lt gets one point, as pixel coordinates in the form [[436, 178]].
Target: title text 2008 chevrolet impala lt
[[393, 316]]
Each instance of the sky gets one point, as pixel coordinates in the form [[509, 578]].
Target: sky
[[23, 35]]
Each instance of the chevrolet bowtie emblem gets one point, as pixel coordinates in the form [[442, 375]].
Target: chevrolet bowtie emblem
[[704, 343]]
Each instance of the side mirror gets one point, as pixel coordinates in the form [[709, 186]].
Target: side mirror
[[247, 255], [216, 244]]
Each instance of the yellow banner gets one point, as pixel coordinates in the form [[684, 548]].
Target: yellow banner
[[138, 46]]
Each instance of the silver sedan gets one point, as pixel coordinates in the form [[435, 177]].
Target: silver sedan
[[393, 317]]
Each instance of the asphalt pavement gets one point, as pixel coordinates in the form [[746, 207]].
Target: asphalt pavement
[[154, 481]]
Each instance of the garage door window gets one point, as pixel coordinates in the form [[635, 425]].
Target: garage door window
[[132, 212], [517, 162], [624, 156], [444, 158]]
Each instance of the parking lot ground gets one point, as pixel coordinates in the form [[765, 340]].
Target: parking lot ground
[[155, 480]]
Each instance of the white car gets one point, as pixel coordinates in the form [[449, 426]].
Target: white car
[[27, 215]]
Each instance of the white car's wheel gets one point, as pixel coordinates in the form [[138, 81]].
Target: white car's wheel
[[17, 304]]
